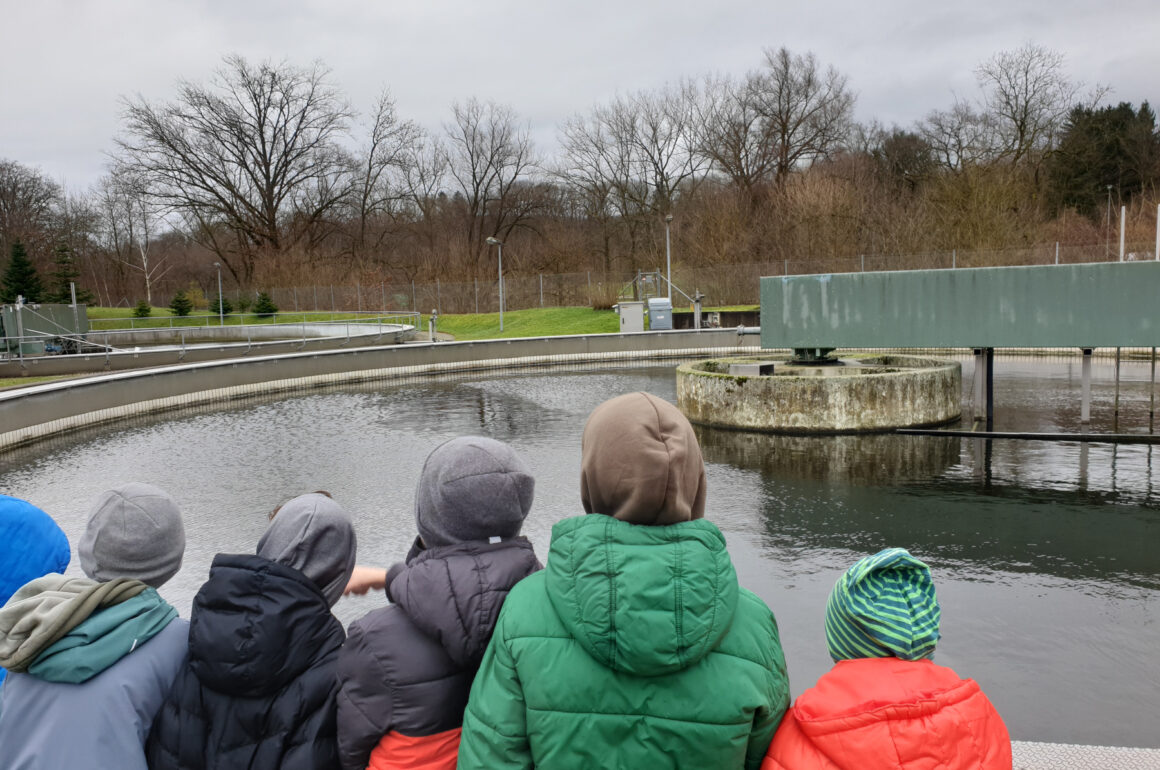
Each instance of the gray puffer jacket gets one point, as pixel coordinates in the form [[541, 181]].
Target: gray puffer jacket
[[408, 668]]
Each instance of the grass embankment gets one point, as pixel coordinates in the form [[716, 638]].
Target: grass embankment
[[107, 318], [17, 382], [536, 322]]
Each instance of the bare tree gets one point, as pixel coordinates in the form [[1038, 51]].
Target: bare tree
[[380, 184], [130, 222], [960, 137], [661, 127], [489, 156], [252, 162], [735, 136], [630, 161], [28, 202], [808, 110], [1028, 97]]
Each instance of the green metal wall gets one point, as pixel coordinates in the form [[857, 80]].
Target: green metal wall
[[1092, 305]]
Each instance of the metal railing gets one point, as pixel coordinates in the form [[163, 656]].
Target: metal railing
[[285, 327]]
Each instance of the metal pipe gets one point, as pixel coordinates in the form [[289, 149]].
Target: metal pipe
[[1096, 438]]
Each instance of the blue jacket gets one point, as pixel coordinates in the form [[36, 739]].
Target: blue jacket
[[101, 723], [31, 545]]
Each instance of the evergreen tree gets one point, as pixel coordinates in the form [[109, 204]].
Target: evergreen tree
[[264, 307], [64, 272], [143, 310], [1117, 147], [221, 305], [181, 304], [21, 279]]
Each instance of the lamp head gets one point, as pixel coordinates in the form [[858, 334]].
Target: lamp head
[[668, 217], [494, 242]]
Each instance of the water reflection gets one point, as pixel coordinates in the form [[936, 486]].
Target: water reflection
[[857, 459]]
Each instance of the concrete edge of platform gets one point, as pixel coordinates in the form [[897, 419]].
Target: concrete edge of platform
[[1031, 755], [31, 414]]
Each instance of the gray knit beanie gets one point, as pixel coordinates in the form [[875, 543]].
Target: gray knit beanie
[[472, 488], [134, 531], [314, 535]]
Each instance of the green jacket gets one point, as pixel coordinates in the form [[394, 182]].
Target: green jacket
[[634, 648]]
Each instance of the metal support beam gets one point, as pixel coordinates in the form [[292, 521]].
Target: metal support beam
[[1116, 405], [1085, 411], [990, 388], [980, 376], [1152, 395]]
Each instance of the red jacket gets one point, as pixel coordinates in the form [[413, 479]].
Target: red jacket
[[879, 713]]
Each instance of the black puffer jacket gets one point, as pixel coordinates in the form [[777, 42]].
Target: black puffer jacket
[[259, 689], [408, 667]]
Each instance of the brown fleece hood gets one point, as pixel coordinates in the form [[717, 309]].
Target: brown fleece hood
[[640, 462]]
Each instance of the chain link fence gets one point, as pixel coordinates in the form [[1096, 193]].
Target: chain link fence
[[722, 284]]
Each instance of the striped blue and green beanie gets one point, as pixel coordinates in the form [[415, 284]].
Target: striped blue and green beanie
[[883, 606]]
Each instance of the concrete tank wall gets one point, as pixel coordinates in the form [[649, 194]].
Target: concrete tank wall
[[916, 391], [35, 412]]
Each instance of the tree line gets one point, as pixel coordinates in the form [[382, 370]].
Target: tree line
[[267, 173]]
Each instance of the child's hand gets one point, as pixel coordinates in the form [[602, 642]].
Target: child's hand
[[364, 579]]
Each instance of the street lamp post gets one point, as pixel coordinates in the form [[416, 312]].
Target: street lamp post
[[499, 244], [668, 258], [221, 310], [1108, 227]]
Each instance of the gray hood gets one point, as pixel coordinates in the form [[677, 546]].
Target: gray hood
[[472, 488], [314, 535]]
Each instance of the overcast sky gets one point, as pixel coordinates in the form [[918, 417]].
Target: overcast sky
[[64, 64]]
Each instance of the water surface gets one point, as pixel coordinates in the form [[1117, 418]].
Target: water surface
[[1044, 554]]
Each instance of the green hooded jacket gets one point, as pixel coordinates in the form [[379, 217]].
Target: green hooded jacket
[[634, 648]]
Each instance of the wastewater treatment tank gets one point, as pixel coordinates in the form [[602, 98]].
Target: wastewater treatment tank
[[855, 394]]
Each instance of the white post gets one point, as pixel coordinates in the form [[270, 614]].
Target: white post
[[1123, 220], [541, 289], [1157, 252], [1057, 252], [500, 251], [954, 258], [72, 290]]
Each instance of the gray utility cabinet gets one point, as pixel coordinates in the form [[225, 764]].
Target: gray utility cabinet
[[660, 314], [631, 316]]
